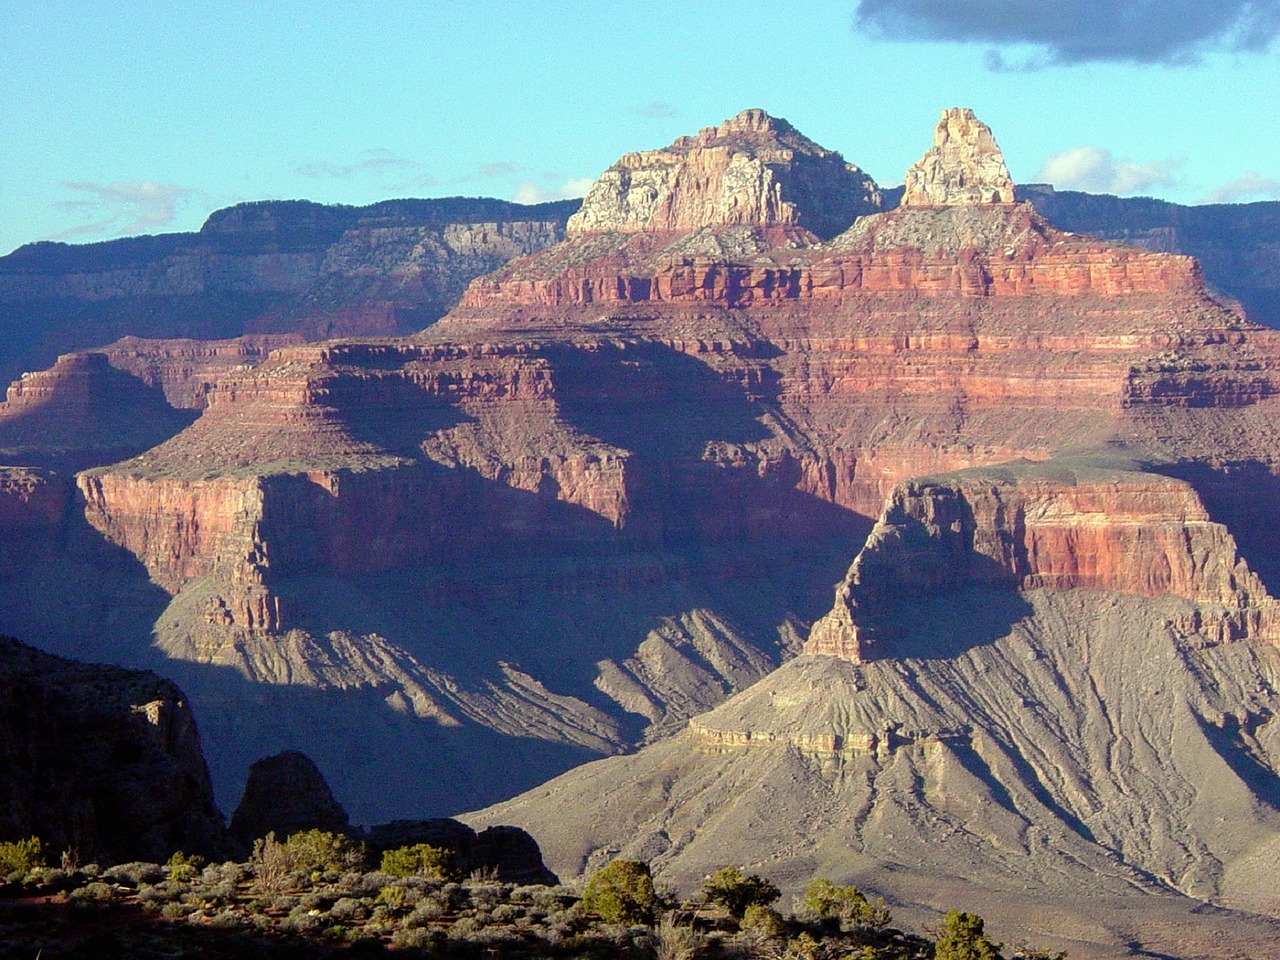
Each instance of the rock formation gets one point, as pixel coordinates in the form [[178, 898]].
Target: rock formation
[[270, 267], [752, 170], [508, 853], [1047, 526], [1238, 245], [610, 491], [101, 762], [286, 794], [964, 166]]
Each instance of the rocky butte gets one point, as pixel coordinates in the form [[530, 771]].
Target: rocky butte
[[602, 503]]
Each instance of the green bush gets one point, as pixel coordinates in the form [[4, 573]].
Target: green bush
[[621, 893], [183, 867], [735, 891], [419, 860], [962, 937], [313, 851], [762, 922], [24, 855], [824, 900]]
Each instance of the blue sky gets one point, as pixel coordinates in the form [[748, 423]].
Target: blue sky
[[139, 117]]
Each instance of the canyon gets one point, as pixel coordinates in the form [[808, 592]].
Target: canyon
[[599, 505]]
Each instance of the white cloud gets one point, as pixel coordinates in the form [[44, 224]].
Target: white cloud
[[1095, 170], [1251, 186], [123, 208], [528, 191], [657, 110]]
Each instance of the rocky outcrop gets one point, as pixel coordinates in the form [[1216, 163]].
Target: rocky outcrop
[[1237, 244], [1043, 526], [286, 794], [271, 267], [507, 853], [615, 486], [964, 166], [753, 170], [102, 762]]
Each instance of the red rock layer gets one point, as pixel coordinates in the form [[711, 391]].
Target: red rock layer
[[1049, 527]]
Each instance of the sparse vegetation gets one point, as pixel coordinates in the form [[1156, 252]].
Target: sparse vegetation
[[621, 893], [23, 855], [735, 891], [419, 860], [962, 936], [311, 896]]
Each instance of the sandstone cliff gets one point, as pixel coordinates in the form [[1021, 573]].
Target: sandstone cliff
[[963, 166], [614, 487], [101, 761], [1058, 527], [753, 169], [298, 267]]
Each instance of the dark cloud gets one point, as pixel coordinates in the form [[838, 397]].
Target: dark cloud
[[122, 208], [1139, 31]]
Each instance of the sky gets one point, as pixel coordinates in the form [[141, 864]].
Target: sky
[[134, 117]]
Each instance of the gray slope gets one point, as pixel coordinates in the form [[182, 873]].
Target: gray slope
[[1076, 778]]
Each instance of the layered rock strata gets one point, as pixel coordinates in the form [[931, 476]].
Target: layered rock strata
[[752, 170], [1032, 527], [272, 267], [660, 447]]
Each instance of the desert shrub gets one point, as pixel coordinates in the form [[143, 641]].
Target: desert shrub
[[312, 851], [229, 872], [22, 856], [673, 940], [484, 896], [302, 920], [428, 910], [418, 860], [134, 874], [962, 937], [621, 893], [824, 900], [176, 911], [93, 891], [392, 897], [417, 937], [506, 913], [1026, 952], [761, 922], [735, 891], [227, 920], [183, 867], [348, 910]]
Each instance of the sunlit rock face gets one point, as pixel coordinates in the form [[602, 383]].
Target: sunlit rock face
[[753, 170], [963, 166]]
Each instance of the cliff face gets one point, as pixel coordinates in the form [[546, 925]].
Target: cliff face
[[101, 761], [752, 169], [1238, 245], [614, 487], [1046, 527], [288, 267]]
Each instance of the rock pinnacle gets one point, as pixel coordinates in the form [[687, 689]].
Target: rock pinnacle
[[964, 166]]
